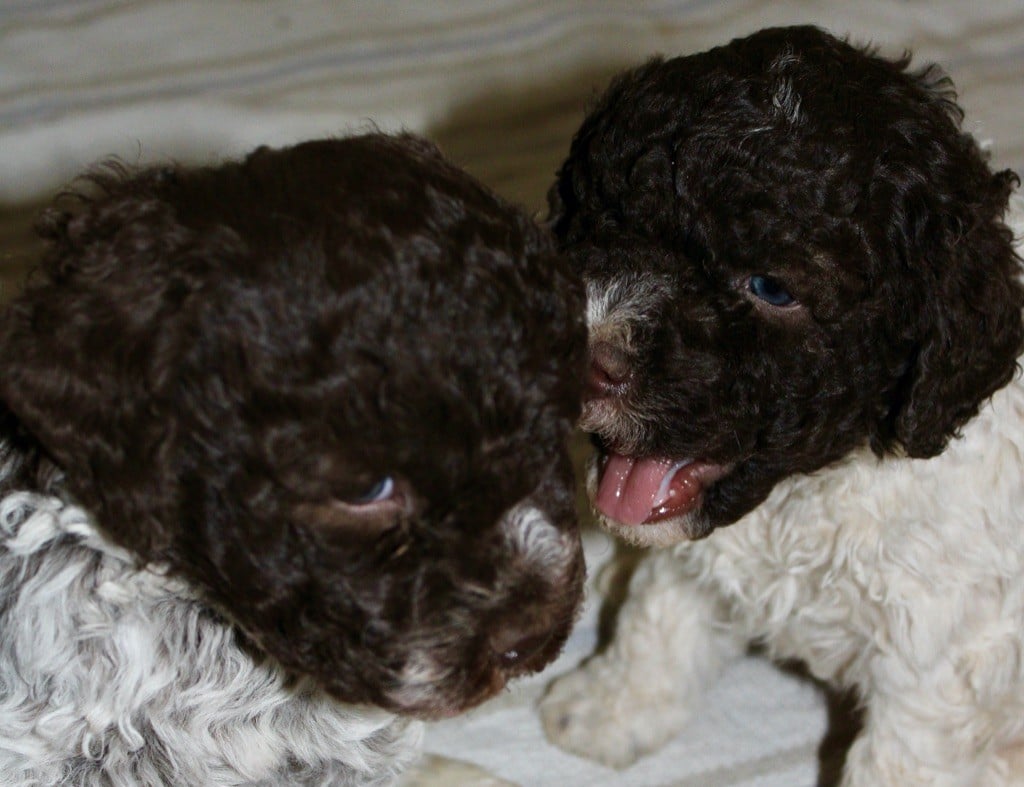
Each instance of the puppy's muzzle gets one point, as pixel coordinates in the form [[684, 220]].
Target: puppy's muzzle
[[517, 646], [610, 374]]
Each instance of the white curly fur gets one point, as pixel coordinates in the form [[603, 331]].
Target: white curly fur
[[112, 674], [901, 578]]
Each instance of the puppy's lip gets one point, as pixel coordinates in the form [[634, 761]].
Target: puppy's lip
[[646, 490]]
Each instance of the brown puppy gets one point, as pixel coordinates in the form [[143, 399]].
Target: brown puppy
[[805, 314], [310, 400]]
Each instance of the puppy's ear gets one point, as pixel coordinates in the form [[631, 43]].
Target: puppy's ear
[[82, 348], [558, 193], [970, 324]]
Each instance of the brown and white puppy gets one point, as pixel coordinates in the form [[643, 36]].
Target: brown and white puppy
[[802, 297], [285, 456]]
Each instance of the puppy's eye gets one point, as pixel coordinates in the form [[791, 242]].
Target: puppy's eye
[[363, 515], [769, 290], [383, 489]]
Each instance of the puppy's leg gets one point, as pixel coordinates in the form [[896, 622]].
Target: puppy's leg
[[630, 699], [917, 741]]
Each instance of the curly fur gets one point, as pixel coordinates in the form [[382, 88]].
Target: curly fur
[[216, 364], [865, 431], [873, 207], [115, 675]]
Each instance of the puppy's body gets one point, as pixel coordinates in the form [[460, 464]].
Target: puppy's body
[[902, 579], [284, 467], [805, 314]]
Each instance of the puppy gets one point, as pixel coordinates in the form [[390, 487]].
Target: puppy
[[805, 314], [284, 468]]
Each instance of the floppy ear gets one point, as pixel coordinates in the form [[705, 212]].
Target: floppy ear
[[970, 324], [558, 194], [81, 352]]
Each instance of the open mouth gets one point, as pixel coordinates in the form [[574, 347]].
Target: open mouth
[[647, 490]]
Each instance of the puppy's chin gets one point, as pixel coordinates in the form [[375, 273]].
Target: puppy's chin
[[431, 690], [427, 705], [667, 532], [657, 534]]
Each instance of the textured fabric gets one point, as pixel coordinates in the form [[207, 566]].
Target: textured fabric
[[189, 78], [501, 85]]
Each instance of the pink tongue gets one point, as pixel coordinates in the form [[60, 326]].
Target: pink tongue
[[633, 491]]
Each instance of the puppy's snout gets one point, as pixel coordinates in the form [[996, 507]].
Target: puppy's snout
[[610, 371], [515, 646]]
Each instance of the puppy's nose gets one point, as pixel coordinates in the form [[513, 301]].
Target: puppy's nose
[[515, 646], [610, 371]]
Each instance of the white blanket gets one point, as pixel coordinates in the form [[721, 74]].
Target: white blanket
[[501, 85]]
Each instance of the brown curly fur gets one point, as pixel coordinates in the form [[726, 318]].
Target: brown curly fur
[[209, 359], [846, 179]]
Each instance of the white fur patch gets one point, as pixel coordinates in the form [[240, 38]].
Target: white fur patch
[[785, 100], [530, 533], [614, 307], [115, 675]]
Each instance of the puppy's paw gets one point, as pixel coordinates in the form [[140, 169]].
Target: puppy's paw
[[597, 712]]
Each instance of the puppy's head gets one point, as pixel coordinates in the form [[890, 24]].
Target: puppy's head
[[791, 249], [331, 385]]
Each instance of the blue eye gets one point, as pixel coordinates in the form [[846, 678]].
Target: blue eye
[[381, 490], [770, 290]]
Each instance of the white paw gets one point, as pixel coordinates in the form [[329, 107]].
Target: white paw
[[596, 712]]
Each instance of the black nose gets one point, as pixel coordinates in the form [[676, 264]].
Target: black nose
[[514, 647], [610, 371]]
